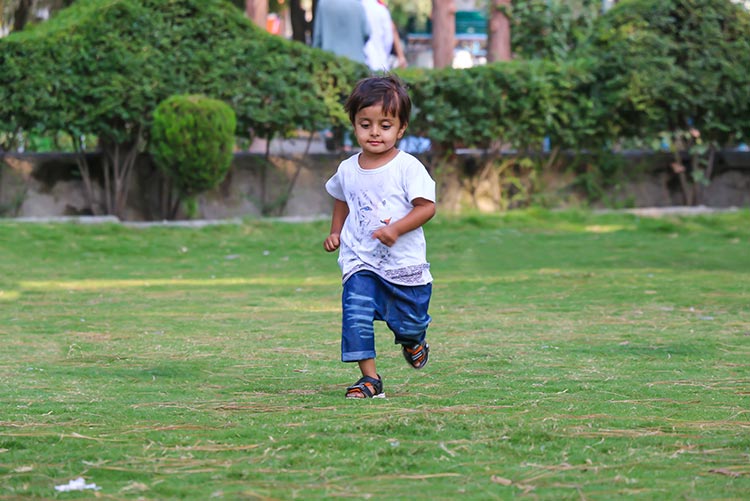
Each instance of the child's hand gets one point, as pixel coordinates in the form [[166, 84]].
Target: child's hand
[[332, 242], [387, 235]]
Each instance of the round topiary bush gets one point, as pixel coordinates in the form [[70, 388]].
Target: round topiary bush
[[192, 139]]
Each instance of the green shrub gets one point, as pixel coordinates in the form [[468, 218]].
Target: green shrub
[[551, 29], [100, 67], [674, 64], [508, 105], [677, 70], [192, 141]]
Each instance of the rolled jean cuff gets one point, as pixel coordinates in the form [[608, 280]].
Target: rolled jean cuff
[[356, 356]]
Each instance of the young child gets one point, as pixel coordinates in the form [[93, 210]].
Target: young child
[[383, 196]]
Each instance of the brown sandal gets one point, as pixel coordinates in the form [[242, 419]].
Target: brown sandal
[[417, 355], [366, 387]]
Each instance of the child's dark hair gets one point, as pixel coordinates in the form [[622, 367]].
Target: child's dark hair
[[388, 91]]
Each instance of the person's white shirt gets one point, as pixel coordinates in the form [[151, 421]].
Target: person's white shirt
[[377, 197], [378, 47]]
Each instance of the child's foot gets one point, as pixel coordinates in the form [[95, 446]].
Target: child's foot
[[417, 355], [366, 387]]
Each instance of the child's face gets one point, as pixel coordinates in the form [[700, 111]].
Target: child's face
[[376, 132]]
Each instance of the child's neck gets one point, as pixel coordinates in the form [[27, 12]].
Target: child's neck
[[374, 161]]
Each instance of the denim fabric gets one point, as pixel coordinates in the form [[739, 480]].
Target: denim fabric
[[367, 298]]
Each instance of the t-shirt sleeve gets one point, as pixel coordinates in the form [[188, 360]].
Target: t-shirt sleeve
[[418, 182], [334, 188]]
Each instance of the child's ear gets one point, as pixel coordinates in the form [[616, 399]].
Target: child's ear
[[401, 131]]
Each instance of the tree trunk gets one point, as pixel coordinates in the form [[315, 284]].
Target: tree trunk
[[312, 19], [299, 23], [85, 171], [118, 163], [498, 44], [443, 32], [22, 14], [257, 10]]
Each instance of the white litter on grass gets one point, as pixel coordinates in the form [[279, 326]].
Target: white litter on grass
[[78, 484]]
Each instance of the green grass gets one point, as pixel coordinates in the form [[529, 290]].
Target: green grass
[[574, 356]]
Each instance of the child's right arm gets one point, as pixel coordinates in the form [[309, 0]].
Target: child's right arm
[[340, 212]]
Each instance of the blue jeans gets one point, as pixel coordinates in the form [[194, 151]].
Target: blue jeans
[[367, 298]]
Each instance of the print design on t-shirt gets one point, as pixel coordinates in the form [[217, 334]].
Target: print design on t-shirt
[[373, 216]]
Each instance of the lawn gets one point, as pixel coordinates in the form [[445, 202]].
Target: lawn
[[574, 356]]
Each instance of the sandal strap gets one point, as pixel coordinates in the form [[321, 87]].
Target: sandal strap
[[417, 355], [368, 386]]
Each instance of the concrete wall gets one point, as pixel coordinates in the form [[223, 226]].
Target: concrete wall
[[49, 185]]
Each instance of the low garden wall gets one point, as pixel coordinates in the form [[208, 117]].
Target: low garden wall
[[49, 185]]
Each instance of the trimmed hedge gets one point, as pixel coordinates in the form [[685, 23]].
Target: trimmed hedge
[[674, 64], [101, 67], [551, 29], [192, 141], [650, 67], [514, 104]]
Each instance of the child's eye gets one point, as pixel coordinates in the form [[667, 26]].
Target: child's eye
[[386, 126]]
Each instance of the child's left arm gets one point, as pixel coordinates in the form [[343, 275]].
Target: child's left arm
[[422, 212]]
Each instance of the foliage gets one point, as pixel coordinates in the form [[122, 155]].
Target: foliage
[[509, 105], [574, 355], [675, 64], [551, 29], [651, 67], [192, 140], [102, 66], [676, 68], [410, 13], [44, 142]]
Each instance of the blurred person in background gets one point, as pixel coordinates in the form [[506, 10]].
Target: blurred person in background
[[341, 27], [379, 46]]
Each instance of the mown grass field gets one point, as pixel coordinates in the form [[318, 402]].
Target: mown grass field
[[574, 356]]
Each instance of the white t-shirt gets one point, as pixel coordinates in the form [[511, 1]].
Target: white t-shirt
[[377, 197]]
